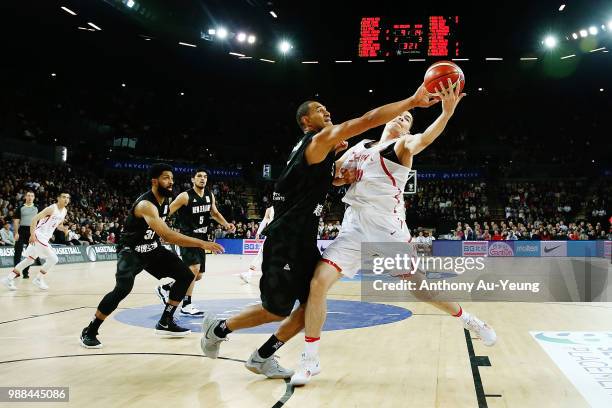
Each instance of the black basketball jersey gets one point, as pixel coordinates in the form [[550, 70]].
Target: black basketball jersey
[[195, 216], [299, 195], [137, 234]]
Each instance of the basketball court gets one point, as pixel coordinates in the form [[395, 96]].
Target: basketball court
[[395, 355]]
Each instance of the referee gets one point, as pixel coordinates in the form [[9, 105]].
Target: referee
[[21, 226]]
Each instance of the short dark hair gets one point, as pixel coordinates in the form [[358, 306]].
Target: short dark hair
[[302, 110], [199, 170], [156, 170], [60, 192], [30, 191]]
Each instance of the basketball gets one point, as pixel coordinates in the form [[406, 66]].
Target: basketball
[[441, 71]]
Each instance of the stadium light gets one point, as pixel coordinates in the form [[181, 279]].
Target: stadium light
[[53, 74], [610, 24], [273, 14], [241, 37], [130, 3], [67, 10], [251, 39], [284, 46], [550, 42], [95, 26], [562, 7], [574, 36], [221, 32], [212, 31], [593, 30], [123, 85], [583, 33], [187, 44]]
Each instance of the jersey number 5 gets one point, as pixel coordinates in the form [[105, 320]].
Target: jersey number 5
[[201, 219]]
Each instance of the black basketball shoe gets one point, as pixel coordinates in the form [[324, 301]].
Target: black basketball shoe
[[170, 328], [90, 340]]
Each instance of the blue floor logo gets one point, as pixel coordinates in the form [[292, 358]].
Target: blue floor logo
[[341, 314]]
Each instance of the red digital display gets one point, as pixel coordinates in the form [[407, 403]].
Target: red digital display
[[433, 36]]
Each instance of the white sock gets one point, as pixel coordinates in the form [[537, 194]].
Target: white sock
[[311, 348], [465, 316]]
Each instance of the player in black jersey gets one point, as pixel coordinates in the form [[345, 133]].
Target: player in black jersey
[[140, 248], [195, 209], [290, 251]]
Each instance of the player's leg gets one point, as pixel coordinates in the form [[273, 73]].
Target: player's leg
[[48, 254], [24, 237], [277, 302], [129, 264], [326, 274], [469, 321], [163, 263], [262, 360], [341, 258], [254, 266], [187, 308], [297, 276], [197, 264], [30, 257]]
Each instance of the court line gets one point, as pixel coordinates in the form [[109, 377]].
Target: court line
[[475, 362], [288, 393], [44, 314], [283, 399]]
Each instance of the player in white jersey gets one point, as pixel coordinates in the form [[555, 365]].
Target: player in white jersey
[[41, 230], [256, 263], [377, 172]]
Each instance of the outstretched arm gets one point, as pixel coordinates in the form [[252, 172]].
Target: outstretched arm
[[324, 141], [147, 210], [414, 144]]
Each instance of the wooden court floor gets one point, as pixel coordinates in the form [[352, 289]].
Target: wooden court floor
[[425, 360]]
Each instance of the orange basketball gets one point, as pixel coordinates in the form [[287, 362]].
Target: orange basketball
[[442, 71]]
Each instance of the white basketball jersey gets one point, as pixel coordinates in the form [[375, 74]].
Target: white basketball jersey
[[380, 182], [46, 226]]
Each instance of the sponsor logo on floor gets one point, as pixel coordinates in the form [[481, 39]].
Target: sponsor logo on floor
[[586, 360]]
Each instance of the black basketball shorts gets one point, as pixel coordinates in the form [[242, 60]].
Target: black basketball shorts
[[287, 270]]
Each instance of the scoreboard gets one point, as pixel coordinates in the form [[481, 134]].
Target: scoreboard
[[431, 36]]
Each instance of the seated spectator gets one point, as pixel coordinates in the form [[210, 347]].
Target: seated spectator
[[6, 235], [73, 236]]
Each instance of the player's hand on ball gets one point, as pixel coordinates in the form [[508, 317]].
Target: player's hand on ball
[[450, 96], [213, 247], [423, 98], [230, 227]]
